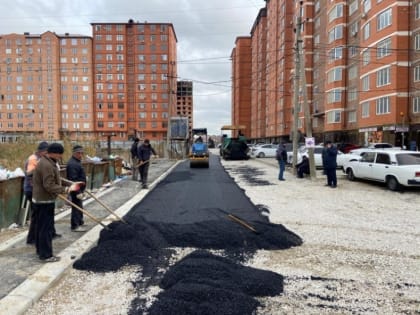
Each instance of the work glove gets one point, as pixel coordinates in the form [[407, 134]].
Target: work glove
[[81, 196], [75, 186]]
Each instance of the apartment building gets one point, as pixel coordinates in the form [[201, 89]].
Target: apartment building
[[135, 78], [184, 102], [361, 70], [241, 83], [45, 86]]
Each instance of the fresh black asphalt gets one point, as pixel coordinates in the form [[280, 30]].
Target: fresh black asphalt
[[203, 209]]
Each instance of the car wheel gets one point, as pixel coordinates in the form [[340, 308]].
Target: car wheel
[[261, 155], [392, 183], [350, 175]]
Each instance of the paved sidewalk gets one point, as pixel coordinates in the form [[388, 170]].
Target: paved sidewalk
[[24, 278]]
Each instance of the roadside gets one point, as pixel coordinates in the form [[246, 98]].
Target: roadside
[[361, 251]]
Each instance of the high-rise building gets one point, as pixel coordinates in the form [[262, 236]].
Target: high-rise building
[[361, 70], [45, 86], [185, 102], [135, 78]]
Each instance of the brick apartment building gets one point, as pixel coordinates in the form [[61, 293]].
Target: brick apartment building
[[120, 82], [185, 102], [362, 71], [135, 78], [45, 86]]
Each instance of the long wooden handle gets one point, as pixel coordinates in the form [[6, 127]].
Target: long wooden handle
[[105, 206], [242, 222], [83, 211]]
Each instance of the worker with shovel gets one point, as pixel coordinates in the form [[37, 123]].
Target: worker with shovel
[[144, 153], [76, 173], [46, 187]]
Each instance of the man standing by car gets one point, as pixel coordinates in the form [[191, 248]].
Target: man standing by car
[[330, 164], [281, 156]]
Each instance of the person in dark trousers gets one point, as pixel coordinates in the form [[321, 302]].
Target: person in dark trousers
[[134, 159], [144, 153], [76, 173], [46, 187], [281, 156], [331, 164], [303, 167]]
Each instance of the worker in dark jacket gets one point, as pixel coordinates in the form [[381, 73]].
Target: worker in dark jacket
[[330, 165], [46, 187], [303, 167], [76, 173], [144, 153]]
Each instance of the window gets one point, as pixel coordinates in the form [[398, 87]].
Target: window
[[365, 109], [353, 72], [416, 104], [334, 96], [417, 42], [383, 105], [351, 117], [336, 12], [417, 73], [354, 5], [366, 31], [352, 94], [366, 57], [334, 116], [384, 19], [336, 53], [365, 83], [383, 77], [366, 6], [335, 75], [335, 33], [383, 158], [384, 48]]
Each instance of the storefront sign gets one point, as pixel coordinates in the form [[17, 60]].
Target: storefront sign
[[368, 129]]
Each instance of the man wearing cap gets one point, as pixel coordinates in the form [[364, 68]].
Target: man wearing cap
[[144, 152], [46, 187], [76, 173]]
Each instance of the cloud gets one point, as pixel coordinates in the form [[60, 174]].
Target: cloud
[[206, 32]]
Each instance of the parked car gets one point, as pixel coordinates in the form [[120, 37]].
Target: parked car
[[382, 145], [303, 150], [396, 168], [264, 150], [347, 147]]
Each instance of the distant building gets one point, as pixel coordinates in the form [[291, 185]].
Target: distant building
[[45, 86], [135, 78], [185, 102]]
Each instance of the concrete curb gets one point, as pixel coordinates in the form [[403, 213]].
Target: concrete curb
[[19, 300]]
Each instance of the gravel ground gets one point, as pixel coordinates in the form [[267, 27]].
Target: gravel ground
[[361, 251]]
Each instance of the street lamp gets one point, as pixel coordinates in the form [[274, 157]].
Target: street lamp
[[402, 129]]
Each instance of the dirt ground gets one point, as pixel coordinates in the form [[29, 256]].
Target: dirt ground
[[361, 251]]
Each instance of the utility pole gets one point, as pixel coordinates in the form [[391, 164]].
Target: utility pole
[[307, 112], [296, 92]]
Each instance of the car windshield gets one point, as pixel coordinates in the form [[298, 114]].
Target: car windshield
[[408, 159]]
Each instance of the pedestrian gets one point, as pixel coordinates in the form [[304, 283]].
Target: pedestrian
[[144, 153], [76, 173], [134, 159], [30, 165], [46, 187], [331, 164], [281, 156], [303, 167]]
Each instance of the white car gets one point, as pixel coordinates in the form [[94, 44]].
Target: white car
[[396, 168], [341, 157], [264, 150]]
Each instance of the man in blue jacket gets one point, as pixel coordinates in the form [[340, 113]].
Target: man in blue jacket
[[330, 164]]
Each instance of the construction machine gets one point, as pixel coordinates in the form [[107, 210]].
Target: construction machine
[[199, 153], [235, 146]]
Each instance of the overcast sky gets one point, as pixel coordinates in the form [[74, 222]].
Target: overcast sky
[[206, 32]]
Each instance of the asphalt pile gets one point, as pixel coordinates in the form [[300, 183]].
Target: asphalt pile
[[203, 282]]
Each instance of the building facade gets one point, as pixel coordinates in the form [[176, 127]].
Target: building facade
[[45, 86], [185, 102], [135, 78], [361, 70]]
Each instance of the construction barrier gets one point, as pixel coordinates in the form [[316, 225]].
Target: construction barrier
[[11, 193]]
